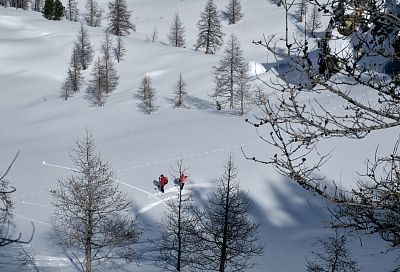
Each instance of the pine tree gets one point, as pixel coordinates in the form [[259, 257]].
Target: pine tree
[[58, 10], [119, 17], [74, 79], [93, 14], [314, 21], [176, 34], [227, 73], [146, 95], [234, 11], [93, 218], [111, 77], [301, 10], [180, 93], [227, 237], [71, 11], [242, 93], [96, 83], [83, 46], [119, 49], [210, 33], [48, 8]]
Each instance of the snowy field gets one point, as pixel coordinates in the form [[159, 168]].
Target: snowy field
[[34, 56]]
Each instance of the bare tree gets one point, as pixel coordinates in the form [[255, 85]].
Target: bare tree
[[210, 33], [301, 10], [333, 257], [74, 80], [71, 11], [180, 92], [242, 93], [7, 236], [93, 13], [227, 236], [297, 117], [26, 257], [119, 18], [234, 11], [146, 94], [314, 21], [231, 68], [111, 77], [119, 49], [83, 47], [154, 34], [176, 34], [96, 84], [92, 216]]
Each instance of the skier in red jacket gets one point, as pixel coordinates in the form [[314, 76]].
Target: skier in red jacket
[[163, 181], [182, 180]]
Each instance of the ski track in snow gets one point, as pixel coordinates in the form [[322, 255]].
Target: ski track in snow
[[198, 154], [33, 219]]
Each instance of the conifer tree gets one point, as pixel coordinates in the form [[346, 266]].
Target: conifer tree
[[74, 79], [301, 10], [119, 17], [93, 218], [48, 9], [71, 11], [83, 47], [227, 237], [176, 34], [210, 33], [96, 83], [180, 93], [146, 95], [111, 77], [242, 93], [234, 11], [93, 13], [58, 12], [228, 73], [314, 21], [119, 49]]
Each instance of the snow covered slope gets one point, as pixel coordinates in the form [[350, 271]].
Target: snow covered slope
[[34, 54]]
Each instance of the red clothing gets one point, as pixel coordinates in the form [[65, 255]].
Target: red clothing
[[163, 181], [182, 179]]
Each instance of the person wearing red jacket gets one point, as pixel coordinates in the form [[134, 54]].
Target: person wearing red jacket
[[163, 181], [182, 180]]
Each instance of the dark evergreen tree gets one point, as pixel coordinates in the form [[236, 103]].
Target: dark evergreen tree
[[180, 93], [227, 237], [74, 79], [58, 10], [83, 47], [93, 13], [234, 11], [210, 33], [48, 9], [119, 17], [146, 94], [93, 218], [228, 72], [119, 50], [334, 257], [71, 11], [176, 34]]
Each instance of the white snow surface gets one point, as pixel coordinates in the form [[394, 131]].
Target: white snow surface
[[34, 56]]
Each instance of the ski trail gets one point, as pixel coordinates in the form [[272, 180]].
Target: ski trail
[[33, 220], [198, 154], [35, 204], [116, 180], [155, 204], [134, 187], [59, 166]]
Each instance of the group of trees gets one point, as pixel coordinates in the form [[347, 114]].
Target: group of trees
[[368, 32], [220, 236]]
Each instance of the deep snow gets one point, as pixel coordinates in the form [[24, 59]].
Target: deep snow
[[34, 55]]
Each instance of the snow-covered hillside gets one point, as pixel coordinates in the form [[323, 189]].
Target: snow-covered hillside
[[34, 56]]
